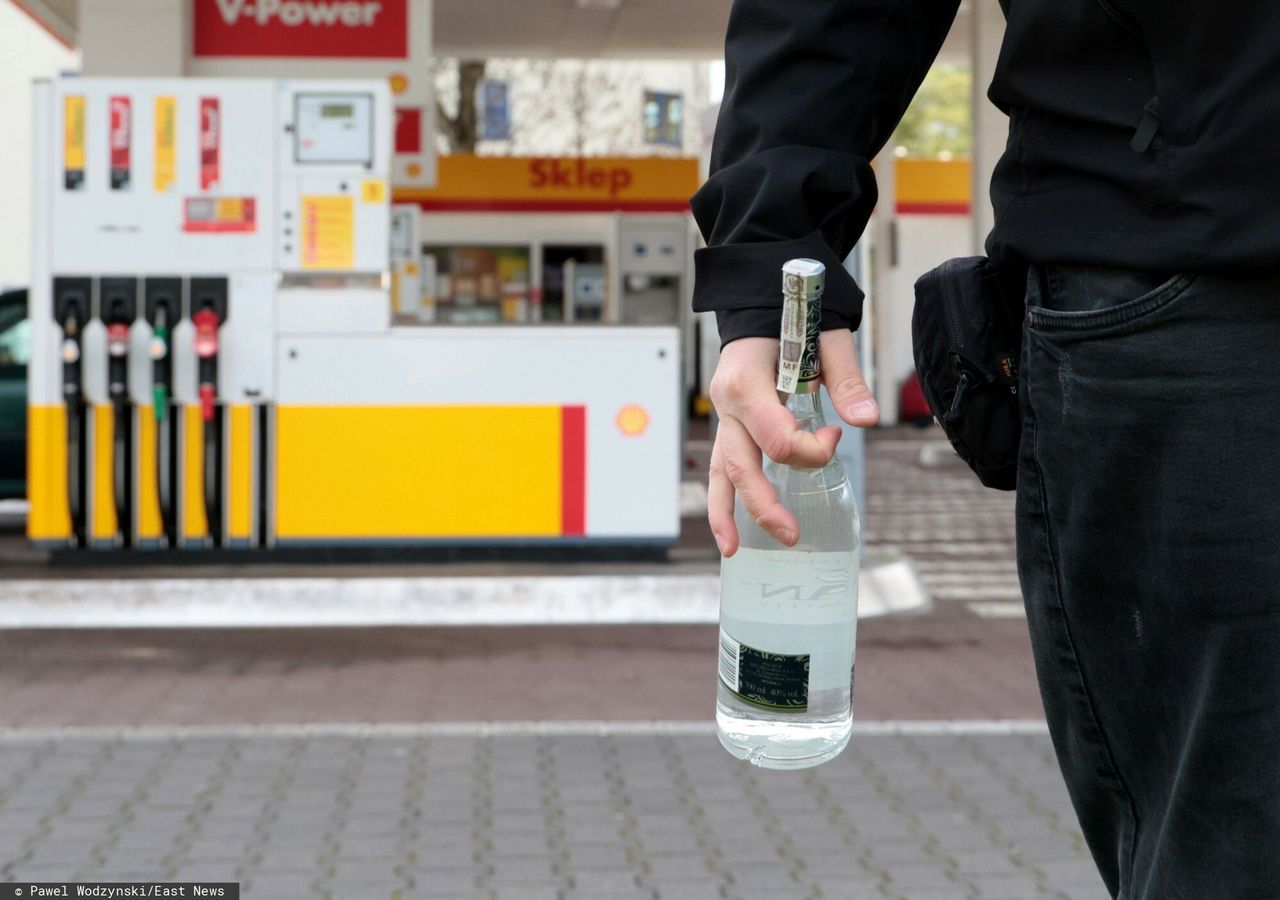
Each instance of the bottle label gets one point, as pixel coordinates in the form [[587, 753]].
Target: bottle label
[[774, 681], [799, 361], [790, 587], [788, 623], [792, 345]]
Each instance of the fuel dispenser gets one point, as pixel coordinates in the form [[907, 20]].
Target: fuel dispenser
[[175, 221], [217, 362]]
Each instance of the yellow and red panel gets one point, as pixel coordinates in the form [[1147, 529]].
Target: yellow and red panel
[[933, 186], [410, 472]]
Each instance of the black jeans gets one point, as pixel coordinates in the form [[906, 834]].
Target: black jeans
[[1148, 529]]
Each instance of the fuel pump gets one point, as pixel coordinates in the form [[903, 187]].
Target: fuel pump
[[162, 310], [71, 311], [208, 312]]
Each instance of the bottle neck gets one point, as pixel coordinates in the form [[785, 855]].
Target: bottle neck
[[807, 409]]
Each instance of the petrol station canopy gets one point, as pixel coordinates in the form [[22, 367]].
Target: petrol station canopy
[[669, 29]]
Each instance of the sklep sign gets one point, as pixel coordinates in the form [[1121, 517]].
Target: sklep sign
[[355, 29]]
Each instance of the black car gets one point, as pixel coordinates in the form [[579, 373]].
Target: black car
[[15, 352]]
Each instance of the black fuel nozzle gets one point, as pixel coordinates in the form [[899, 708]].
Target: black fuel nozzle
[[118, 304], [71, 312], [71, 305]]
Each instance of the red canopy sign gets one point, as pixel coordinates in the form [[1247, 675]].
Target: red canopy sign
[[359, 29]]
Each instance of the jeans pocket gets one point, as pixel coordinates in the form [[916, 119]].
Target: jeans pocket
[[1117, 309]]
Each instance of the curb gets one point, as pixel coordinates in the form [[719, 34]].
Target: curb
[[892, 588]]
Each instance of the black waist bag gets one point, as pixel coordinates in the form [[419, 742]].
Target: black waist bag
[[966, 333]]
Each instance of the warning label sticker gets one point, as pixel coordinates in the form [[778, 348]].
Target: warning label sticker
[[219, 215], [328, 232]]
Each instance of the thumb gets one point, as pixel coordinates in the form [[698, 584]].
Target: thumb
[[843, 377]]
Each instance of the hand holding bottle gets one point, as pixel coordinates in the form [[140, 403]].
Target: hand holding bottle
[[752, 420], [788, 608]]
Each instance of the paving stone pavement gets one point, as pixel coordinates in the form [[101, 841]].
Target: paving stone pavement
[[660, 815]]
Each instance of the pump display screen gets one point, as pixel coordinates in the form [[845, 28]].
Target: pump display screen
[[332, 129]]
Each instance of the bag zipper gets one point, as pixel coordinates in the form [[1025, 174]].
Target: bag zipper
[[951, 320], [970, 374]]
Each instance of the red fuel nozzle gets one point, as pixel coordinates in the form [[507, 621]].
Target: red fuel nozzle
[[206, 322], [118, 339]]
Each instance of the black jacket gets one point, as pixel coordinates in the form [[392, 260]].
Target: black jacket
[[1143, 134]]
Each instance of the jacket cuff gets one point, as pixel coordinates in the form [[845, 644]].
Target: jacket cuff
[[742, 284]]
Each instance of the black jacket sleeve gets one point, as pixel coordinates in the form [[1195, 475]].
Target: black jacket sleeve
[[813, 90]]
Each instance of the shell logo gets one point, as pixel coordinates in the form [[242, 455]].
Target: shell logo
[[632, 420], [399, 83]]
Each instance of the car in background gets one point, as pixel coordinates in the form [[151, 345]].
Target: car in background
[[15, 352]]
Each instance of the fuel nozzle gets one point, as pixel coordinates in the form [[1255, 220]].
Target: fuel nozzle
[[119, 301], [71, 311], [162, 308], [158, 351], [207, 321]]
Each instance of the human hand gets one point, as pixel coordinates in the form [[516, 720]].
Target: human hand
[[753, 420]]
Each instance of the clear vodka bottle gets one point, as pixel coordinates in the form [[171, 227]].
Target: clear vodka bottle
[[788, 615]]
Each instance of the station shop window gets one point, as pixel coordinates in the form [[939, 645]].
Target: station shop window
[[573, 280], [480, 285], [493, 285]]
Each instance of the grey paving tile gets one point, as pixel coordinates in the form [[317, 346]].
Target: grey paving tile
[[522, 891], [441, 880], [934, 817], [687, 888], [915, 877], [847, 888], [937, 893], [604, 880], [671, 868]]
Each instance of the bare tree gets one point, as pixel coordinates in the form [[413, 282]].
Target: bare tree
[[565, 107], [461, 130]]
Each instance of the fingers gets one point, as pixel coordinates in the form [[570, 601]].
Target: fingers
[[740, 459], [720, 504], [843, 377], [744, 389], [774, 431]]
